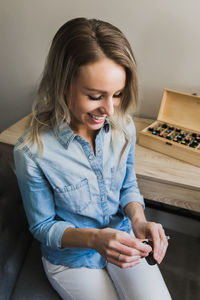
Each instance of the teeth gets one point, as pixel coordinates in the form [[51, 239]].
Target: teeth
[[96, 118]]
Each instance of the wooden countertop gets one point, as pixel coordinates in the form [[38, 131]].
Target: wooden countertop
[[159, 166], [161, 178], [164, 179], [11, 134]]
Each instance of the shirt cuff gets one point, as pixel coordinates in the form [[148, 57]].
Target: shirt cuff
[[56, 232], [132, 197]]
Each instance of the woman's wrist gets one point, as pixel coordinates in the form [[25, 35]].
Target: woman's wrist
[[80, 238], [135, 212], [93, 238]]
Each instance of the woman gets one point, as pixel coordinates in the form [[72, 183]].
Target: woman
[[75, 168]]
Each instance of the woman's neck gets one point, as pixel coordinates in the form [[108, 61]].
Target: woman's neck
[[88, 135]]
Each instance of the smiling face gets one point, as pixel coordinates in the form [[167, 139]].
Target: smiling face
[[94, 95]]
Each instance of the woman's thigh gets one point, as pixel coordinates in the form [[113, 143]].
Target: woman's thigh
[[140, 282], [80, 283]]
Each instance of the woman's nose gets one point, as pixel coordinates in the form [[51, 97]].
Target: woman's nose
[[108, 106]]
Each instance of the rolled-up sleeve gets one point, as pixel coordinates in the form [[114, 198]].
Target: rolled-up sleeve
[[38, 200], [129, 191]]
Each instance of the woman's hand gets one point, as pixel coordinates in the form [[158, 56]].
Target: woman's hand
[[155, 232], [119, 248]]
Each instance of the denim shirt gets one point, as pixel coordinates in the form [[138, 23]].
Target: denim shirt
[[70, 186]]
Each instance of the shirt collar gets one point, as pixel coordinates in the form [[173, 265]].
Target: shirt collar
[[65, 134]]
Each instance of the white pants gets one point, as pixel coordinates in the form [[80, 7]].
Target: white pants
[[141, 282]]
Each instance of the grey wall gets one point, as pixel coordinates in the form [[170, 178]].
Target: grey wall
[[165, 36]]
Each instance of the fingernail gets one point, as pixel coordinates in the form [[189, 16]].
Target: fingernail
[[156, 255]]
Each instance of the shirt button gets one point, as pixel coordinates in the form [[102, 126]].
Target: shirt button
[[106, 218], [90, 156], [102, 198], [99, 151], [99, 177]]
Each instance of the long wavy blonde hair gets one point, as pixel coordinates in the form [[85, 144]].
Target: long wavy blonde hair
[[79, 42]]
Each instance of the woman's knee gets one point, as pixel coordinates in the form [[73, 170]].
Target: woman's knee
[[141, 282], [81, 283]]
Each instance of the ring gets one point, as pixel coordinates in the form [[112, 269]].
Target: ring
[[119, 256]]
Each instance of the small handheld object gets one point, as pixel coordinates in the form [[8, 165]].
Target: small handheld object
[[150, 259]]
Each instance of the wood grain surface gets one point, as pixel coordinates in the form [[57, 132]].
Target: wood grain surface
[[10, 135], [164, 179]]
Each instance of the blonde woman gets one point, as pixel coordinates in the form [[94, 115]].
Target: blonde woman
[[75, 168]]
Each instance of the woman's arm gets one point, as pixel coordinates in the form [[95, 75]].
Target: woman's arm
[[147, 230], [133, 204], [134, 212], [116, 246], [129, 190], [37, 196]]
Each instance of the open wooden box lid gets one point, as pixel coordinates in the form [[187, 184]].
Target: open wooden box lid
[[180, 109]]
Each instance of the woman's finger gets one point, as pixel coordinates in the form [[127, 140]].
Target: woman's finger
[[163, 245], [121, 256], [153, 228], [144, 249], [125, 250], [160, 242], [123, 264], [128, 259]]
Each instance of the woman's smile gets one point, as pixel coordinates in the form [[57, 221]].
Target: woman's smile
[[97, 119]]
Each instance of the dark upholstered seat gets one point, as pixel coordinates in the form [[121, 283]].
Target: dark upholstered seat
[[21, 272]]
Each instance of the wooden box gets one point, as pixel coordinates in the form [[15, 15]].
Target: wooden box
[[176, 132]]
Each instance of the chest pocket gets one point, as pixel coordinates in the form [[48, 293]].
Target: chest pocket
[[74, 198]]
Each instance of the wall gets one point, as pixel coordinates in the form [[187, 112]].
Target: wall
[[164, 35]]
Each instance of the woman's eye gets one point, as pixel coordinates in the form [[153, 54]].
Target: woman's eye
[[117, 96], [100, 97], [94, 98]]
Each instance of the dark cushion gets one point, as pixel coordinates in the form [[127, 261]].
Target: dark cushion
[[32, 283], [14, 236]]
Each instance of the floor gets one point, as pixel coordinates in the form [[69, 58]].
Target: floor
[[181, 266]]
